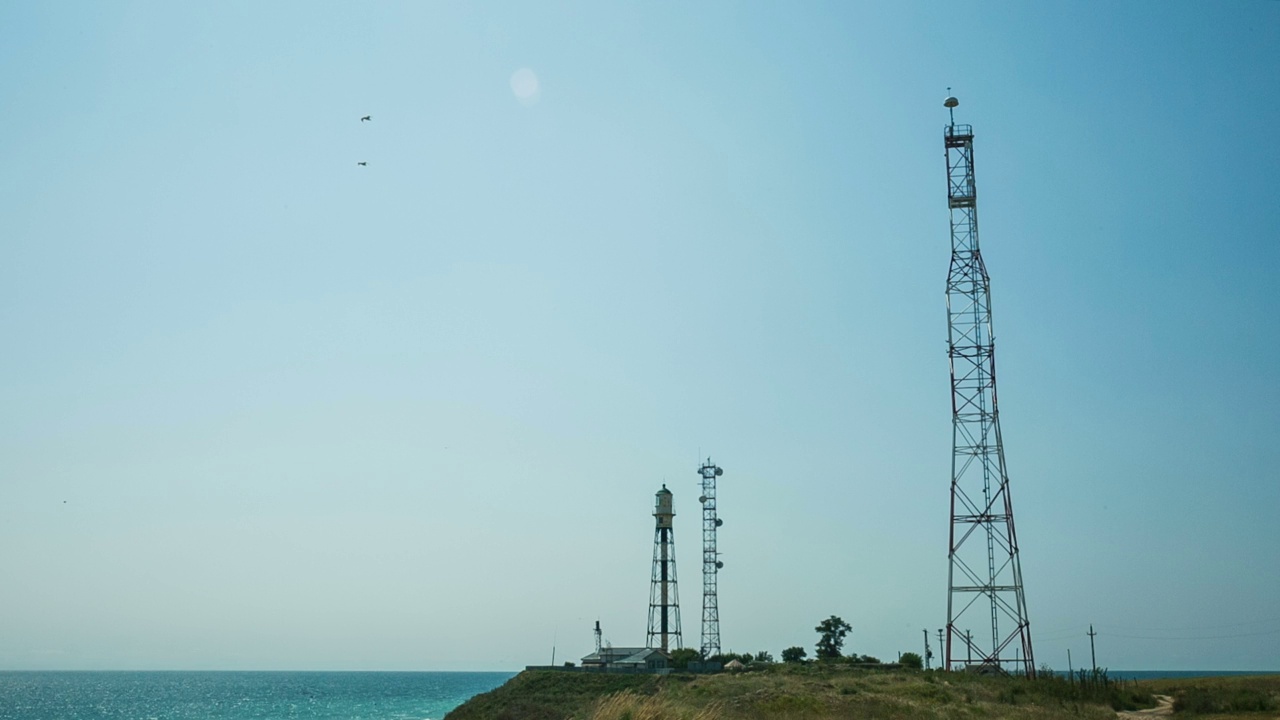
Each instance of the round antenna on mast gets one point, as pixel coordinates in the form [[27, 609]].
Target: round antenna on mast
[[950, 104]]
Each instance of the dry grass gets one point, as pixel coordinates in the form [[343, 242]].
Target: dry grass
[[629, 706], [824, 693], [1222, 697]]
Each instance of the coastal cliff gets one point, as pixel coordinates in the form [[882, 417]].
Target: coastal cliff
[[795, 691]]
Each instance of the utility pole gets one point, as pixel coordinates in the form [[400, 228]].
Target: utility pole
[[940, 633], [928, 654], [968, 640], [1093, 655], [1070, 670]]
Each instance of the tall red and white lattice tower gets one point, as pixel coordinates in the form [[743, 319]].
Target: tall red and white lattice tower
[[985, 576]]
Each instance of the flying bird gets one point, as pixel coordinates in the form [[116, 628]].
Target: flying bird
[[363, 164], [366, 118]]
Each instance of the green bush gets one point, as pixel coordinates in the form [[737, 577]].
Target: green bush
[[1086, 687], [1223, 700], [681, 658]]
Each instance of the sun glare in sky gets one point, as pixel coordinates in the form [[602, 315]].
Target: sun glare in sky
[[524, 84]]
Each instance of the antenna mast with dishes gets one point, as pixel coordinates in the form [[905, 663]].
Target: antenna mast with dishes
[[664, 600], [710, 560], [984, 572]]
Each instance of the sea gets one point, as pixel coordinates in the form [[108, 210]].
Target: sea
[[279, 695], [1181, 674], [239, 695]]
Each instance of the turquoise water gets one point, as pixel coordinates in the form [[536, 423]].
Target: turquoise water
[[237, 695]]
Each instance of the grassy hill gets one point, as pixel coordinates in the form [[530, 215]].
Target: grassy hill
[[798, 692]]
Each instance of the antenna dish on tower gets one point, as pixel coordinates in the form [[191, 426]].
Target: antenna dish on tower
[[710, 646], [950, 102]]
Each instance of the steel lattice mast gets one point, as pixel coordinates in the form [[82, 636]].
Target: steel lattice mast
[[664, 597], [984, 573], [710, 560]]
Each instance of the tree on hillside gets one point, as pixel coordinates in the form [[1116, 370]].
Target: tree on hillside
[[764, 656], [832, 631], [911, 660], [793, 654], [681, 658]]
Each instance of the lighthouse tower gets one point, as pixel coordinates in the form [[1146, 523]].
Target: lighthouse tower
[[664, 601]]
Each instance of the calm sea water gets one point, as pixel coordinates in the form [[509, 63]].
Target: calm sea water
[[1175, 674], [238, 695]]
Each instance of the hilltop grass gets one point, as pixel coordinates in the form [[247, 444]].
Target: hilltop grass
[[790, 692]]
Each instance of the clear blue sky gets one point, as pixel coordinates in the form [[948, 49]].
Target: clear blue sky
[[263, 408]]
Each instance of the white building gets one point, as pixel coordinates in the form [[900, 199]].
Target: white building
[[621, 658]]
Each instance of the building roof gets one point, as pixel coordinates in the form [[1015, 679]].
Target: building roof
[[621, 656]]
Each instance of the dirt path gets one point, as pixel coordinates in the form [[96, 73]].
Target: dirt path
[[1163, 708]]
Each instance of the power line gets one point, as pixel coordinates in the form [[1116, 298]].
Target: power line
[[1063, 634], [1197, 637], [1267, 621], [1056, 638]]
